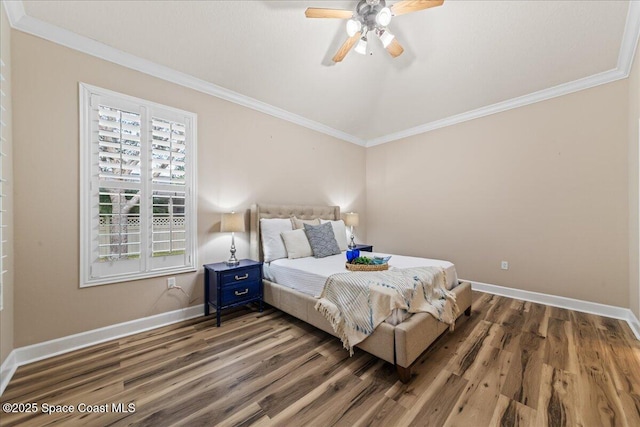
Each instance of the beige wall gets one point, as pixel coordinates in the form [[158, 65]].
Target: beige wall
[[243, 157], [543, 187], [7, 313], [634, 181], [547, 187]]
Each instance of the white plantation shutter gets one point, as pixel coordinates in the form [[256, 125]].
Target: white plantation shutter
[[168, 229], [119, 231], [119, 144], [168, 167], [168, 152], [138, 211], [119, 166], [3, 141]]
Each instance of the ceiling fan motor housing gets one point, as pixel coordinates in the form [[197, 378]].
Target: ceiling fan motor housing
[[367, 11]]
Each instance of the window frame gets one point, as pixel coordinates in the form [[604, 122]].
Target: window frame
[[92, 272], [3, 197]]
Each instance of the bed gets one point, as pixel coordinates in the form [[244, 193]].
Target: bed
[[399, 344]]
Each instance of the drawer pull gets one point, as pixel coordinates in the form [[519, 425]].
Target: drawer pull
[[246, 291], [246, 276]]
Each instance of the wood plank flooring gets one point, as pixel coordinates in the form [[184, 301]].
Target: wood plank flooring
[[512, 363]]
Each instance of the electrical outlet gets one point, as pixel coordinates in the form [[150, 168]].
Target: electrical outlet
[[504, 265], [171, 282]]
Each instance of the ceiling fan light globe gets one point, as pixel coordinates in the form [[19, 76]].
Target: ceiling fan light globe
[[383, 18], [386, 38], [353, 27], [361, 47]]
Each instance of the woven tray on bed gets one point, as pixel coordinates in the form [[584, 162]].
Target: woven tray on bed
[[367, 267]]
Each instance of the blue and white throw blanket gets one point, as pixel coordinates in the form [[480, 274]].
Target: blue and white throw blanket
[[355, 303]]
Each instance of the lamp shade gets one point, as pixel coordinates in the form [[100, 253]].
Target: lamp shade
[[361, 47], [351, 219], [385, 37], [383, 18], [232, 222], [353, 27]]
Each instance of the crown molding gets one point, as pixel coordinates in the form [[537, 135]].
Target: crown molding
[[625, 61], [542, 95], [19, 20], [629, 38], [15, 11]]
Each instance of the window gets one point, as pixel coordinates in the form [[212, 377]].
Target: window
[[138, 211], [3, 141]]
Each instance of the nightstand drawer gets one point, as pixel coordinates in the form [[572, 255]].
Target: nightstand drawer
[[237, 292], [242, 276]]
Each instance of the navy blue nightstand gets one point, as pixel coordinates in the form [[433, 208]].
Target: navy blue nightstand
[[230, 286], [364, 247]]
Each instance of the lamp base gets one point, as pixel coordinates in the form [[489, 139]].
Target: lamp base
[[233, 261]]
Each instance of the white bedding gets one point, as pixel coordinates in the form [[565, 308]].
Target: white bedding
[[308, 275]]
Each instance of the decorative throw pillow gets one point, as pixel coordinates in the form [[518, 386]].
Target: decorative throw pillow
[[322, 240], [297, 244], [299, 223], [272, 244], [340, 230]]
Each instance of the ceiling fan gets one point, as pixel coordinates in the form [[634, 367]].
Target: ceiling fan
[[371, 15]]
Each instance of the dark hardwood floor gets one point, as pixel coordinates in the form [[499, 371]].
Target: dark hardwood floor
[[512, 363]]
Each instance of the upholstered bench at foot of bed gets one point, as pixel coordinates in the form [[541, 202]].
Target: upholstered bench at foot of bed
[[407, 340], [415, 334], [380, 344]]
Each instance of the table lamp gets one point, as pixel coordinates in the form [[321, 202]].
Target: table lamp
[[232, 222], [351, 220]]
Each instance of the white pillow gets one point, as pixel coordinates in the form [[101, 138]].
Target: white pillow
[[272, 244], [340, 230], [297, 244]]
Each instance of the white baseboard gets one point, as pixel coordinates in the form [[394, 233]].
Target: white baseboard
[[32, 353], [563, 302], [634, 324], [7, 369], [35, 352]]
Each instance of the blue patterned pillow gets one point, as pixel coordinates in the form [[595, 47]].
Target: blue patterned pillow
[[322, 240]]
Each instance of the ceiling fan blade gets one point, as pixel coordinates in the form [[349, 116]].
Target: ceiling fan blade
[[317, 12], [395, 49], [346, 47], [408, 6]]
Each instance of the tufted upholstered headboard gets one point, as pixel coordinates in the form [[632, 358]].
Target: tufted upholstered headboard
[[259, 211]]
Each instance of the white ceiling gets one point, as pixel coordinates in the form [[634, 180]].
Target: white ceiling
[[461, 57]]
